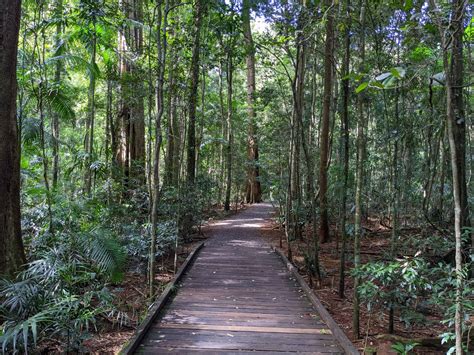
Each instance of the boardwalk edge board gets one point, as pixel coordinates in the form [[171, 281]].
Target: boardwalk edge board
[[159, 304], [340, 336]]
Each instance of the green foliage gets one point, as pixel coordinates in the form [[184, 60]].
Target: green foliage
[[397, 284], [404, 348], [62, 294], [412, 284]]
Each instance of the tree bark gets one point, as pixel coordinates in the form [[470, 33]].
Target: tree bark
[[193, 90], [230, 70], [253, 189], [359, 179], [172, 153], [161, 49], [57, 79], [345, 144], [131, 147], [89, 141], [298, 85], [12, 256], [325, 124], [456, 124], [456, 132]]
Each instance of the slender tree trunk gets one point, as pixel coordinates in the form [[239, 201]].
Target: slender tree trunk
[[456, 130], [298, 86], [230, 70], [456, 124], [57, 79], [289, 195], [200, 136], [89, 141], [223, 132], [345, 145], [108, 137], [395, 203], [162, 24], [43, 83], [442, 174], [253, 189], [359, 180], [193, 89], [172, 127], [12, 256], [325, 123]]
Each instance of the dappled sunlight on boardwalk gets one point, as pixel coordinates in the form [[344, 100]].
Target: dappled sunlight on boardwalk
[[239, 297]]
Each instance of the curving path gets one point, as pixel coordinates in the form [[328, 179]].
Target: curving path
[[239, 297]]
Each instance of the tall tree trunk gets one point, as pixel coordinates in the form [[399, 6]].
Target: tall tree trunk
[[108, 137], [200, 128], [223, 132], [230, 70], [43, 83], [442, 173], [395, 202], [456, 132], [89, 141], [131, 154], [298, 85], [324, 148], [457, 115], [57, 79], [161, 49], [359, 179], [345, 144], [172, 127], [253, 189], [193, 89], [12, 255]]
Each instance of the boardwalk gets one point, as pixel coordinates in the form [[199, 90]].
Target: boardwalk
[[239, 297]]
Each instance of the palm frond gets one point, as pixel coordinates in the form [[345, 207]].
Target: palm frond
[[60, 103]]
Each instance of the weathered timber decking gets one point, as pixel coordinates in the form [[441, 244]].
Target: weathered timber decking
[[238, 296]]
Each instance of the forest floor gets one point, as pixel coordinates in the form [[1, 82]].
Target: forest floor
[[132, 300], [131, 297], [373, 324]]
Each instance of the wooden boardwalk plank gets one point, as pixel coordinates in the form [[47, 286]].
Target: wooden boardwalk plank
[[238, 297]]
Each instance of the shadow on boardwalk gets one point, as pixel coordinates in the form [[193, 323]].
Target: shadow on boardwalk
[[238, 297]]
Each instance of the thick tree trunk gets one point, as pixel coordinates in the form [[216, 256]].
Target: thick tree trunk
[[253, 189], [12, 256], [193, 90], [324, 150]]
